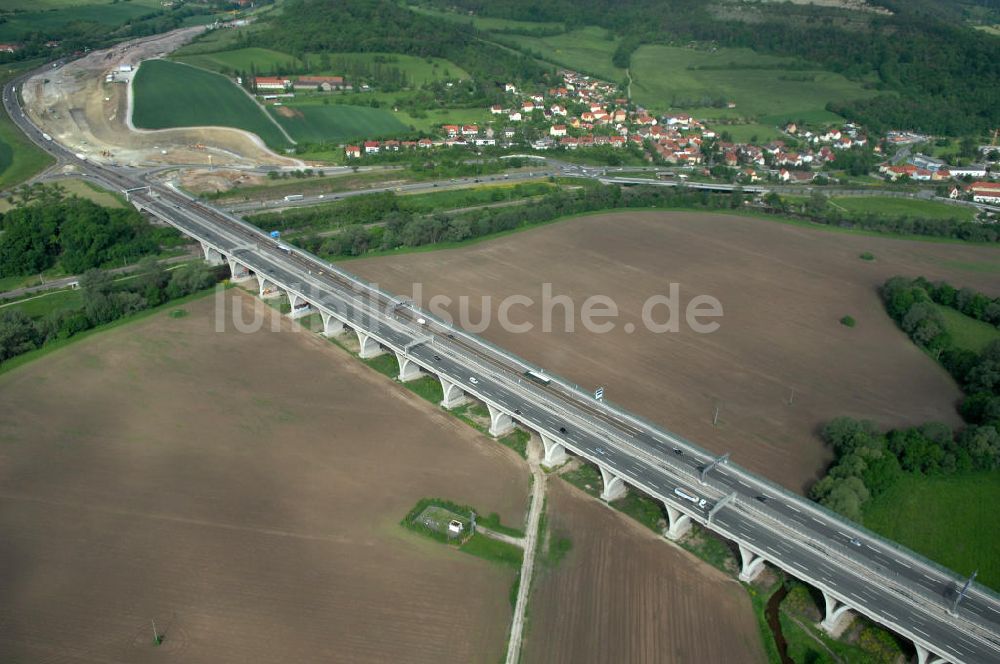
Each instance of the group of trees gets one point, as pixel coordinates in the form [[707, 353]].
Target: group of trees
[[104, 300], [818, 209], [76, 233], [372, 26], [913, 304], [401, 230], [868, 461]]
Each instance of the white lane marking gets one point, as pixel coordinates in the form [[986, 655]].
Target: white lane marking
[[917, 629], [793, 508]]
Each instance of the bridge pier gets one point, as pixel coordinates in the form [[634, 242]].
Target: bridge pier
[[332, 326], [408, 369], [678, 523], [614, 486], [300, 307], [368, 345], [453, 394], [925, 656], [833, 623], [752, 564], [267, 289], [238, 272], [212, 255], [555, 452], [500, 422]]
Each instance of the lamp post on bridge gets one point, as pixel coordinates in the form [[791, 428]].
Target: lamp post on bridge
[[712, 464], [961, 594]]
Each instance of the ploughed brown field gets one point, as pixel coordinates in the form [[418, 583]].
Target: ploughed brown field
[[779, 366], [244, 491], [622, 594]]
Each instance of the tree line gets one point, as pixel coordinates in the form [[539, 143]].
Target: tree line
[[819, 210], [913, 304], [371, 26], [400, 231], [105, 299], [867, 461], [76, 233]]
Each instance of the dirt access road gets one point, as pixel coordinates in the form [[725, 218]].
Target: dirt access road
[[76, 106], [783, 290], [244, 491]]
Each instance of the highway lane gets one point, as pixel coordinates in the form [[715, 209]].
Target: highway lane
[[618, 447]]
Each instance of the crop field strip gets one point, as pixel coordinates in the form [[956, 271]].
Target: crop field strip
[[168, 94]]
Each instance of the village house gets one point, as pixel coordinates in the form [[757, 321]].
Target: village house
[[985, 192], [451, 131], [470, 130], [496, 109], [557, 130], [371, 147], [515, 116], [556, 109], [352, 152], [972, 170], [320, 83], [271, 83]]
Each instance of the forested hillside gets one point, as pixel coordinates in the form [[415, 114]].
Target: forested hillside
[[944, 76], [366, 26]]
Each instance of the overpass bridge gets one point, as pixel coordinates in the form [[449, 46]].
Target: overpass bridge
[[854, 569]]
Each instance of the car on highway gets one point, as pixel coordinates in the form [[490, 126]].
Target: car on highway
[[762, 499], [562, 429], [473, 380], [437, 357], [678, 451], [855, 541], [600, 450]]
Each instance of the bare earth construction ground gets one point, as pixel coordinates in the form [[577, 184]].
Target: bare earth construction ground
[[783, 289], [623, 595], [244, 491]]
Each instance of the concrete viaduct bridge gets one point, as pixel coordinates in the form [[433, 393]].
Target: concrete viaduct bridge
[[854, 569]]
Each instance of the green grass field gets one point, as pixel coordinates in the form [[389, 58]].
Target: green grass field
[[418, 70], [952, 520], [42, 305], [91, 192], [488, 24], [48, 15], [168, 94], [666, 77], [265, 60], [20, 159], [967, 332], [890, 206], [586, 50], [318, 123]]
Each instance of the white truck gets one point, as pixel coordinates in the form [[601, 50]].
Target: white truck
[[690, 497]]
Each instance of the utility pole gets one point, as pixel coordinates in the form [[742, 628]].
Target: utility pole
[[157, 639], [715, 415], [791, 397]]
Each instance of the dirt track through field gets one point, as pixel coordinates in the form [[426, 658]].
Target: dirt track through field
[[244, 491], [783, 289], [622, 594]]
